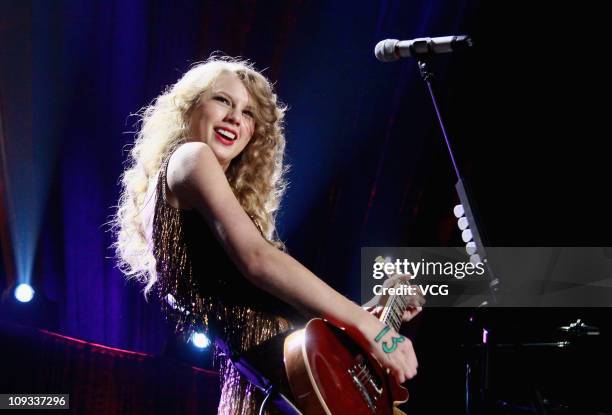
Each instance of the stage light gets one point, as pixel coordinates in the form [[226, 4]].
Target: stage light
[[200, 340], [24, 293]]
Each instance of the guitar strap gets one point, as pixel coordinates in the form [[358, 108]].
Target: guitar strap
[[263, 367]]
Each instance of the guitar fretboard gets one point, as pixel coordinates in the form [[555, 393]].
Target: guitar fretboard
[[394, 310]]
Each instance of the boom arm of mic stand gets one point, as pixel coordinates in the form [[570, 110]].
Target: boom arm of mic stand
[[427, 76]]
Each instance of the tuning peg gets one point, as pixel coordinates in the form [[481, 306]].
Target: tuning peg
[[458, 211], [475, 259], [466, 235], [470, 247], [463, 223]]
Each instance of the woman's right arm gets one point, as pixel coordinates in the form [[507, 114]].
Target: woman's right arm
[[197, 181]]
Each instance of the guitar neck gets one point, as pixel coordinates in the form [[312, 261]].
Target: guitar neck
[[393, 311]]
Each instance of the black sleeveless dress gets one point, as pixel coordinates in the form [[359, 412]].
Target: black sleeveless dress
[[200, 287]]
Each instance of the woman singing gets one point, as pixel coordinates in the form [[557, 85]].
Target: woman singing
[[196, 224]]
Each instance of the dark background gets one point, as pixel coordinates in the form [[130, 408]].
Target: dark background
[[525, 111]]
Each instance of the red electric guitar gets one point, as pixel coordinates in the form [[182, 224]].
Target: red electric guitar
[[331, 374]]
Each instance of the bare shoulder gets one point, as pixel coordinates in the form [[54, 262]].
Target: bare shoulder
[[198, 182], [186, 158], [192, 168], [187, 162]]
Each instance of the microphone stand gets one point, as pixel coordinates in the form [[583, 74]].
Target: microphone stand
[[475, 247], [477, 252]]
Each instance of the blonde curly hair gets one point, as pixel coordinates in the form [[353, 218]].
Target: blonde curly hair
[[256, 176]]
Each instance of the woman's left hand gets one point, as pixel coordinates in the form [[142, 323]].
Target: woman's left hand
[[415, 303], [409, 313]]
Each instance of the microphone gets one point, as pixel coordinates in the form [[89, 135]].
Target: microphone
[[390, 50]]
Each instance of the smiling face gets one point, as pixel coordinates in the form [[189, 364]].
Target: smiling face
[[224, 118]]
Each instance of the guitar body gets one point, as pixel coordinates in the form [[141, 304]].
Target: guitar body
[[330, 374]]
